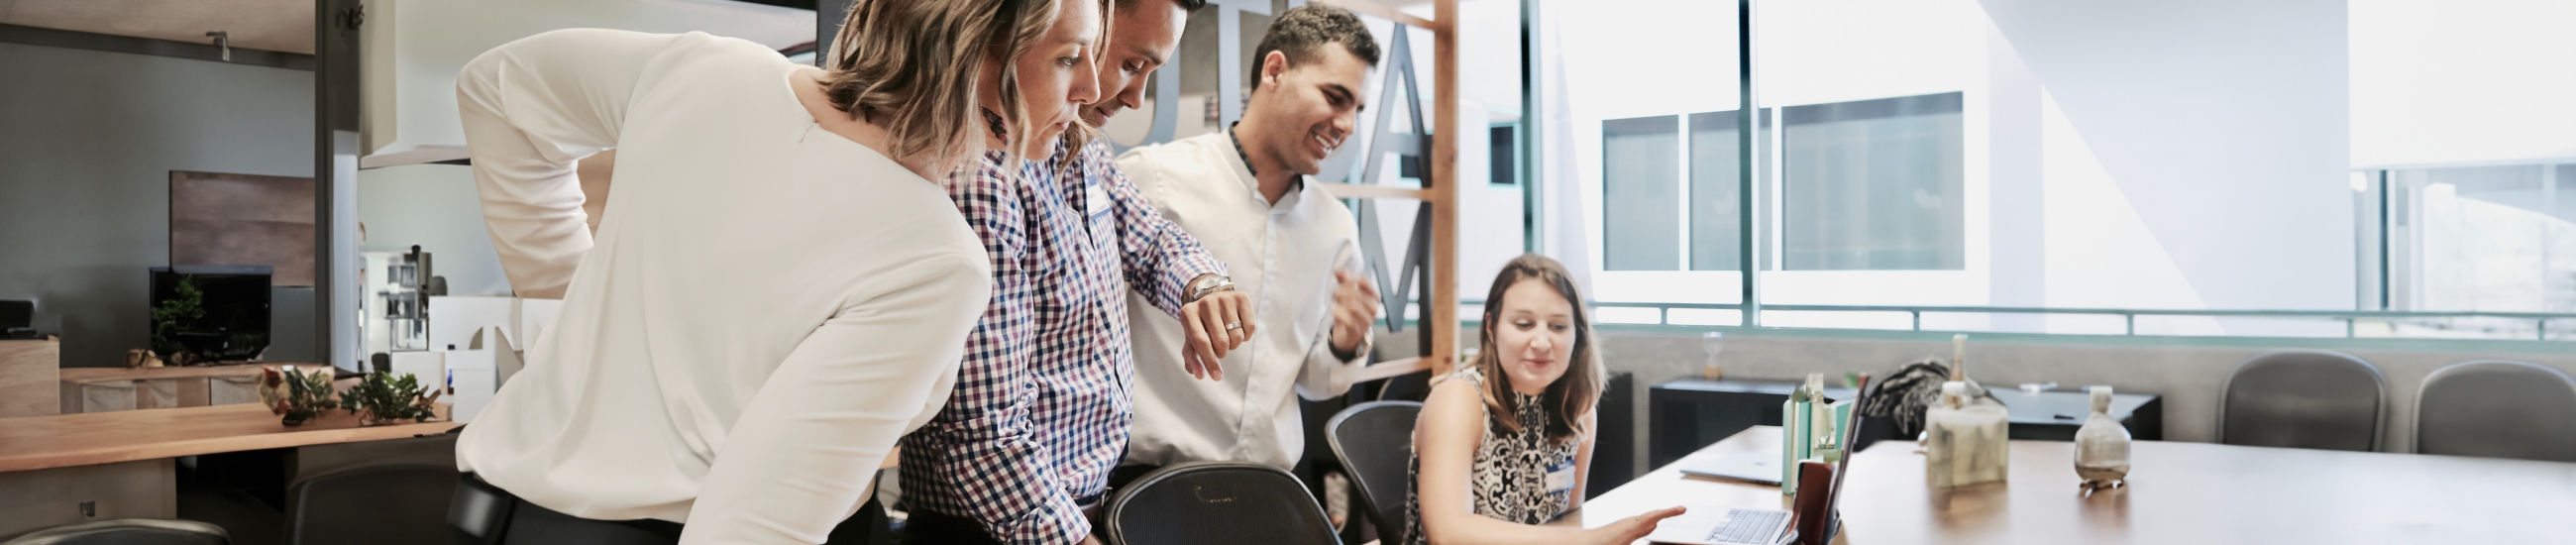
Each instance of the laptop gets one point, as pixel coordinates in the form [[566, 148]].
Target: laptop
[[1757, 467], [1706, 526]]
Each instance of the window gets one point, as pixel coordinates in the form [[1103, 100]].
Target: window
[[1871, 185], [1984, 166], [1715, 190], [1874, 185], [1640, 178], [2487, 238]]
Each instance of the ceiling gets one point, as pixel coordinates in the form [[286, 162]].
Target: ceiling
[[275, 25]]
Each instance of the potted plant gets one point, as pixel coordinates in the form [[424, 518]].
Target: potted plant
[[382, 399], [174, 313], [297, 396]]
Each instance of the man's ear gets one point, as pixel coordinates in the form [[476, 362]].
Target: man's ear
[[1272, 65]]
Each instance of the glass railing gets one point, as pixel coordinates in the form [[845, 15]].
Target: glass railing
[[2523, 326]]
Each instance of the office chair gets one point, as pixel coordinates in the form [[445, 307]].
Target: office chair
[[1374, 441], [128, 532], [392, 504], [2497, 409], [1217, 502], [2303, 399]]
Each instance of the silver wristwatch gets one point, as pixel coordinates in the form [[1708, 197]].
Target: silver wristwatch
[[1208, 284]]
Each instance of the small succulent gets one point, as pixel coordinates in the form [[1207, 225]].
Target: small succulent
[[382, 398]]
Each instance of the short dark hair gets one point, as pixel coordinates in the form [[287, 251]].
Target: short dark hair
[[1191, 6], [1297, 32]]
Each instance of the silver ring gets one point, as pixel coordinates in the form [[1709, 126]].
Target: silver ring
[[1233, 326]]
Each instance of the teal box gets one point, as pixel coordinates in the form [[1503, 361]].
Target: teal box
[[1798, 434]]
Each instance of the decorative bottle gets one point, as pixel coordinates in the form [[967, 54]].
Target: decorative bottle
[[2102, 446], [1966, 442]]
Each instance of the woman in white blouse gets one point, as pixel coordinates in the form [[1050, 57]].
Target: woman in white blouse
[[781, 292]]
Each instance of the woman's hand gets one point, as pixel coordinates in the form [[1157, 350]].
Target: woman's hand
[[1631, 529]]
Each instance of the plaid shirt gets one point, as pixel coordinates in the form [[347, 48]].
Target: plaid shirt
[[1043, 404]]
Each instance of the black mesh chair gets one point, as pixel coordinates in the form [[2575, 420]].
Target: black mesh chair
[[128, 532], [2497, 409], [391, 505], [1217, 502], [1374, 440], [2304, 399]]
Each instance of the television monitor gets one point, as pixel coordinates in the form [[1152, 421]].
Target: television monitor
[[227, 322]]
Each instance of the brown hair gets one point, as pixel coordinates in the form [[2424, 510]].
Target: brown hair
[[1572, 397], [910, 66], [1298, 32]]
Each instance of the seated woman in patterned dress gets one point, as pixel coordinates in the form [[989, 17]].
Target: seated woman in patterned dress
[[1503, 444]]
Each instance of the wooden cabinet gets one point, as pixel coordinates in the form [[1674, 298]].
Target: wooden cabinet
[[103, 389], [28, 372]]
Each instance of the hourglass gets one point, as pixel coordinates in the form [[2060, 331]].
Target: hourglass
[[1713, 342]]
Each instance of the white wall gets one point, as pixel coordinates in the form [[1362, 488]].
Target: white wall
[[433, 206], [2222, 123], [417, 47], [87, 143], [2462, 81]]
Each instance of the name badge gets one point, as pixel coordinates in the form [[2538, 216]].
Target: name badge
[[1096, 207], [1561, 477]]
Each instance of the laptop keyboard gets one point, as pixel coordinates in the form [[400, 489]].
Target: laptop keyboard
[[1747, 526]]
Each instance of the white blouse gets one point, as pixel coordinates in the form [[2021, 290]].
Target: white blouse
[[767, 308]]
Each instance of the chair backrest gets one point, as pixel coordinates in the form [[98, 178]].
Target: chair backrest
[[1217, 502], [128, 532], [390, 504], [1374, 440], [2304, 399], [2497, 409]]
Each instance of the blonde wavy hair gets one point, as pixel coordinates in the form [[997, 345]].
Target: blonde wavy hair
[[910, 66]]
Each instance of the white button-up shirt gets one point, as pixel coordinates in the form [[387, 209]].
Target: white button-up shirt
[[1283, 257]]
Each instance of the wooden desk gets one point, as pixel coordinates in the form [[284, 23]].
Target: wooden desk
[[120, 463], [2206, 493], [1667, 486]]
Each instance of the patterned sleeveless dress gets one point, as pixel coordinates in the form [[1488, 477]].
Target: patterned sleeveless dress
[[1511, 475]]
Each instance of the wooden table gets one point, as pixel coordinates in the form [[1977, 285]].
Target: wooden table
[[120, 463], [2207, 493], [2180, 493], [1667, 486]]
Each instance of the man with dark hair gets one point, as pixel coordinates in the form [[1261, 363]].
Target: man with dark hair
[[1289, 245]]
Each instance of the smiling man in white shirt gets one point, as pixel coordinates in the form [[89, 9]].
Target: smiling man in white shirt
[[1286, 243]]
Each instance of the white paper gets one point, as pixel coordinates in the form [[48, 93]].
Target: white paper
[[429, 367], [473, 391], [453, 321], [469, 359]]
